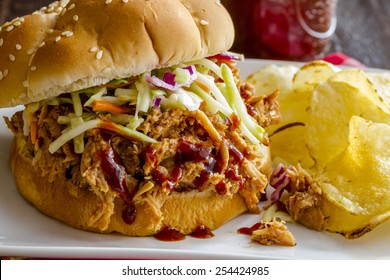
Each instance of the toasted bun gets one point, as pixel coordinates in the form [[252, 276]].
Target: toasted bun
[[55, 200], [72, 45]]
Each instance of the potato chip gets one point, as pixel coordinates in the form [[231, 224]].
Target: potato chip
[[347, 93], [288, 145], [361, 173], [358, 180], [359, 81], [381, 80], [271, 77], [336, 125], [352, 226], [312, 74]]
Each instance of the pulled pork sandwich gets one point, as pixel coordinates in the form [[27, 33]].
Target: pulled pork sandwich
[[135, 119]]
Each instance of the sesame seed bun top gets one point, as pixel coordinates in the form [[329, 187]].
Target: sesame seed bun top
[[71, 45]]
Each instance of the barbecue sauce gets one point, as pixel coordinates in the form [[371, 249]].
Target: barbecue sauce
[[115, 177], [169, 234], [187, 152], [202, 232], [235, 155], [249, 230], [232, 174], [165, 182], [191, 152], [129, 213], [221, 188]]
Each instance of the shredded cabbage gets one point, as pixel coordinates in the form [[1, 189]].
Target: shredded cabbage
[[63, 120], [78, 108], [134, 122], [210, 65], [126, 95], [78, 141], [98, 94], [183, 87], [126, 132], [212, 105], [213, 88], [72, 133], [97, 123], [238, 104], [189, 100], [144, 97]]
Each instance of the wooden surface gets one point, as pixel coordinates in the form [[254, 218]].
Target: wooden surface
[[363, 29]]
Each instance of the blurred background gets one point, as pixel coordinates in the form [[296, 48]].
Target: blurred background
[[362, 31]]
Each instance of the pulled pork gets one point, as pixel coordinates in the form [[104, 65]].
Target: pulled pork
[[304, 200], [273, 232], [194, 151]]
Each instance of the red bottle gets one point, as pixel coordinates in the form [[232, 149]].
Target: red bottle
[[282, 29]]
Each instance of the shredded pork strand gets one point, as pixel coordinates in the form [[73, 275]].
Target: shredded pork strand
[[273, 232], [304, 199]]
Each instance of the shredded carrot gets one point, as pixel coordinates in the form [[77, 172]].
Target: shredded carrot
[[202, 86], [228, 62], [33, 131], [105, 106]]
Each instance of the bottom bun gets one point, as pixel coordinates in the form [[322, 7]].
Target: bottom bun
[[183, 211]]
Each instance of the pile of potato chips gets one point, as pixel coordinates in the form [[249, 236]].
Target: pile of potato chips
[[336, 125]]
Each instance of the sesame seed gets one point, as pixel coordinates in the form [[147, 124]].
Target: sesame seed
[[93, 49], [204, 22], [67, 33], [106, 70], [75, 17], [1, 75], [17, 23], [30, 51], [218, 2], [5, 73], [21, 19], [10, 28], [71, 7], [50, 9], [99, 54], [33, 68], [26, 84], [18, 47], [41, 44], [125, 1], [58, 38], [108, 2], [11, 57], [1, 41], [50, 30], [63, 11]]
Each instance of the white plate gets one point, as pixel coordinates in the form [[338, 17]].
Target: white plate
[[26, 232]]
